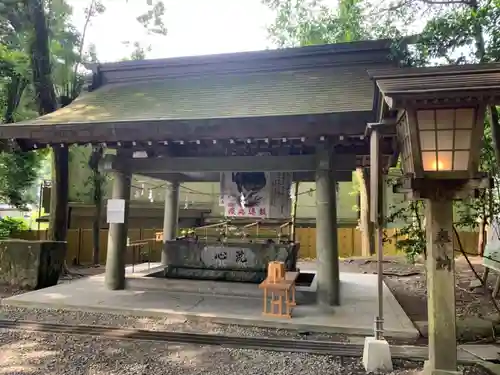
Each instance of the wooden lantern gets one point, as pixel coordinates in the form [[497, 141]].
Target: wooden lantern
[[441, 142]]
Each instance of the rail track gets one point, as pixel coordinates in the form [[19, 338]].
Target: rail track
[[261, 343]]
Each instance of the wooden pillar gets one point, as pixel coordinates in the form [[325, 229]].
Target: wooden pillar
[[328, 286], [170, 217], [117, 235], [440, 287]]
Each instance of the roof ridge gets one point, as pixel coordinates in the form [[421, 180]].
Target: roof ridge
[[358, 47]]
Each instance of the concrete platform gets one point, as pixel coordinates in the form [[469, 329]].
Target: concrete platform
[[223, 302]]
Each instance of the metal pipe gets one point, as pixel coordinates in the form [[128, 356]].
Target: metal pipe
[[215, 225], [377, 192], [379, 321], [379, 332], [251, 224]]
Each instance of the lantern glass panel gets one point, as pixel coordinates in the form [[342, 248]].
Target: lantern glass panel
[[427, 140], [445, 118], [461, 160], [445, 138], [429, 160], [462, 139], [444, 161], [426, 120], [465, 118]]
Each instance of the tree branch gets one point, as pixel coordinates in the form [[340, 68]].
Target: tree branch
[[74, 91], [408, 3], [447, 2]]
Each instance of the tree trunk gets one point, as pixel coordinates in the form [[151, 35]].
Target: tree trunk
[[58, 227], [15, 89], [294, 212], [365, 224], [47, 103], [40, 58], [96, 225], [96, 229], [97, 186], [481, 241], [495, 132]]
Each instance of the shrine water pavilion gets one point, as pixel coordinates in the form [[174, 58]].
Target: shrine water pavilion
[[192, 118]]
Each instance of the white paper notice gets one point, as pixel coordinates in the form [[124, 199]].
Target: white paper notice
[[116, 211]]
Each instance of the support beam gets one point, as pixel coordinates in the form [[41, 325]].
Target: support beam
[[341, 176], [185, 177], [291, 126], [328, 291], [288, 163], [117, 235], [171, 216], [181, 177], [440, 287]]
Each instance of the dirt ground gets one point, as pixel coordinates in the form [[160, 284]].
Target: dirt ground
[[407, 283], [76, 272]]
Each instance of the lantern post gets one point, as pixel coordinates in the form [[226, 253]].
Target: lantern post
[[440, 122], [440, 157]]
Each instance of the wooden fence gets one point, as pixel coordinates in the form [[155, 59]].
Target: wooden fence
[[349, 240]]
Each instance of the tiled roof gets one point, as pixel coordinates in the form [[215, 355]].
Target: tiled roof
[[299, 92], [453, 78]]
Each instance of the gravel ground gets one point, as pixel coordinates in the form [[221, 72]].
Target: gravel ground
[[24, 353], [155, 324], [37, 353]]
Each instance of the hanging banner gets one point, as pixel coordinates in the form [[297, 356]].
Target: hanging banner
[[256, 194]]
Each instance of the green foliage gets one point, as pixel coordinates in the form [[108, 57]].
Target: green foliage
[[89, 185], [10, 225], [310, 22], [152, 20], [18, 174], [18, 100], [410, 236], [453, 32], [473, 211], [138, 53]]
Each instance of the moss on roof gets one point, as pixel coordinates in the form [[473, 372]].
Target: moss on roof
[[324, 90]]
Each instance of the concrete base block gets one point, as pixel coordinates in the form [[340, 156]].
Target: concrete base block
[[428, 370], [377, 355]]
